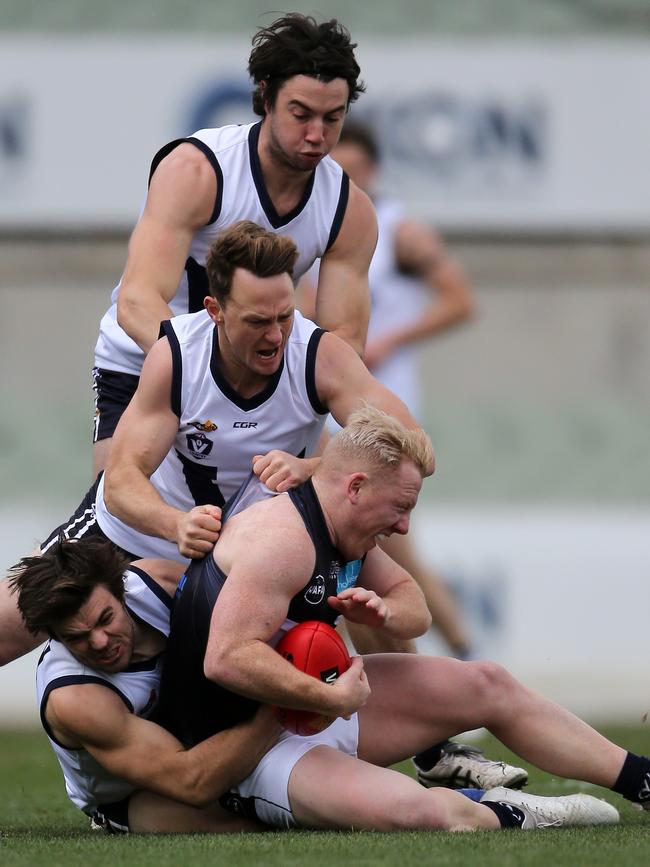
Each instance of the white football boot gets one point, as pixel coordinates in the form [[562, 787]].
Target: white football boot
[[555, 812], [462, 766]]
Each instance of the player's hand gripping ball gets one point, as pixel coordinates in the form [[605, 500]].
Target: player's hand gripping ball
[[318, 650]]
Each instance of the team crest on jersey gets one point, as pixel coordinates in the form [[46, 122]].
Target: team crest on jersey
[[199, 445], [205, 426], [315, 593]]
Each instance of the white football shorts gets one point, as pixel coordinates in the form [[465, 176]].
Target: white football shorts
[[268, 785]]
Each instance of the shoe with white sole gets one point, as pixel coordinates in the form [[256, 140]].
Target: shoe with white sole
[[462, 766], [555, 812]]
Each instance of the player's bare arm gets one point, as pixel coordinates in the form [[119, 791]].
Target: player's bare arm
[[15, 638], [252, 606], [142, 439], [343, 297], [94, 718], [387, 598], [422, 253], [181, 200]]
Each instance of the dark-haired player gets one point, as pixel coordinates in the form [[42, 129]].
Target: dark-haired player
[[98, 683], [276, 173]]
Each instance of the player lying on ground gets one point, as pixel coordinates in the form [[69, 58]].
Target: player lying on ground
[[98, 682], [296, 557]]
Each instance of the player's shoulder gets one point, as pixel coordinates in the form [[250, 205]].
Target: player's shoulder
[[358, 233], [333, 354], [189, 327], [274, 522], [302, 329], [165, 574], [68, 699], [75, 712], [223, 138], [283, 552], [329, 166]]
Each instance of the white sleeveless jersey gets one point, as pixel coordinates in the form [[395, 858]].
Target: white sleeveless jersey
[[87, 783], [220, 432], [397, 300], [241, 195]]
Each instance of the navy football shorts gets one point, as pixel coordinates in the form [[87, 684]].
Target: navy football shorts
[[113, 391]]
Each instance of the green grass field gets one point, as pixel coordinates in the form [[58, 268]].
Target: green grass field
[[38, 826]]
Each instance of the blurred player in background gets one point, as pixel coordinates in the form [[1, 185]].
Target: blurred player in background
[[276, 173], [417, 290]]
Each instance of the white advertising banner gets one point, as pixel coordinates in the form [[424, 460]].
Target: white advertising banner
[[560, 597], [511, 136]]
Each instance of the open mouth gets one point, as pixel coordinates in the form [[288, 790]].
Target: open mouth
[[110, 657], [268, 353]]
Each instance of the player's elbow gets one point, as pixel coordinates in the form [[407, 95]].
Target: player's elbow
[[468, 309], [14, 645], [415, 619], [413, 626], [195, 788], [112, 490], [219, 668], [127, 310], [421, 615], [422, 623], [200, 793]]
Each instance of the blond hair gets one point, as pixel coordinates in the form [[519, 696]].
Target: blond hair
[[380, 441]]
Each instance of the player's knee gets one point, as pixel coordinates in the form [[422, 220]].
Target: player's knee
[[491, 684]]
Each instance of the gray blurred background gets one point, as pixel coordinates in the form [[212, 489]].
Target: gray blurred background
[[539, 409]]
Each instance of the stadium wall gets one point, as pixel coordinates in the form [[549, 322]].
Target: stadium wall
[[541, 136]]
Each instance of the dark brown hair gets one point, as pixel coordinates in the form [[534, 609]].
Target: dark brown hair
[[55, 585], [361, 134], [299, 45], [247, 245]]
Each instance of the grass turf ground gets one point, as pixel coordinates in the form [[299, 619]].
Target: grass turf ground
[[38, 826]]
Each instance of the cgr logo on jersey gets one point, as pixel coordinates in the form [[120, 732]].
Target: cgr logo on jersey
[[199, 445], [245, 424], [206, 426], [315, 593]]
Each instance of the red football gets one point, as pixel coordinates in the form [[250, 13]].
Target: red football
[[319, 650]]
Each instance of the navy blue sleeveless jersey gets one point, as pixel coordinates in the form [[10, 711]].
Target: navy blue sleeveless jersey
[[194, 708]]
